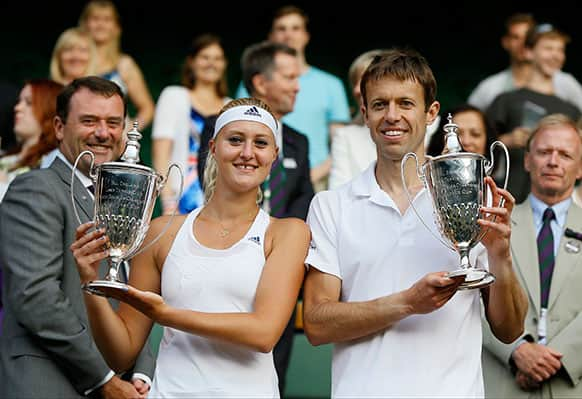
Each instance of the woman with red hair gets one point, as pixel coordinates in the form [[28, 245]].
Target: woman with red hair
[[33, 128]]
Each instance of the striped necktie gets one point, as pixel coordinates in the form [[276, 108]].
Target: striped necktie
[[546, 255], [276, 189]]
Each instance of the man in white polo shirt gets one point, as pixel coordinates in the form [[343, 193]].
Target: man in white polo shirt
[[377, 285]]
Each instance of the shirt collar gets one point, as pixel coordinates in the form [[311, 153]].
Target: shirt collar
[[560, 210], [366, 185]]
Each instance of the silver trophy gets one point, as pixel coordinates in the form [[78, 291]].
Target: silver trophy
[[125, 195], [455, 182]]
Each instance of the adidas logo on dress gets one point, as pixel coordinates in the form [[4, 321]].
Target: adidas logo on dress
[[255, 239], [252, 111]]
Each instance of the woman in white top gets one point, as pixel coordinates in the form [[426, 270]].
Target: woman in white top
[[223, 280], [180, 117]]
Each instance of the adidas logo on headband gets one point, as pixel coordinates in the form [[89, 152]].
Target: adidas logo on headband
[[253, 111]]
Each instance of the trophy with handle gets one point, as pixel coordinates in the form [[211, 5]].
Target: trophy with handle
[[125, 195], [455, 182]]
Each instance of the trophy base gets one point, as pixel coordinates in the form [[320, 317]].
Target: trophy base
[[468, 285], [104, 287], [474, 278]]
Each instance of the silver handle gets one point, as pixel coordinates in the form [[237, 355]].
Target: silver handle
[[422, 177], [159, 187], [91, 174]]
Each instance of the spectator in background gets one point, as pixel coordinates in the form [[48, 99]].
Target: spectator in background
[[516, 112], [352, 148], [102, 20], [181, 115], [74, 56], [476, 131], [321, 104], [518, 73], [8, 97], [33, 126], [545, 361]]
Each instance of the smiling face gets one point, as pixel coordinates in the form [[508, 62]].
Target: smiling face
[[554, 162], [244, 152], [472, 131], [94, 123], [102, 24], [548, 55], [74, 59], [209, 64], [396, 116], [26, 126]]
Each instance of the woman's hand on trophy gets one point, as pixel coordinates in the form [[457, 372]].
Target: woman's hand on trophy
[[89, 249], [496, 220], [149, 303]]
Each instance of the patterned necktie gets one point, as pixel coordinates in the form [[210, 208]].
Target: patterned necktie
[[277, 189], [546, 255]]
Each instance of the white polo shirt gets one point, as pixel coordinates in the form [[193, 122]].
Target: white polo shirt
[[359, 235]]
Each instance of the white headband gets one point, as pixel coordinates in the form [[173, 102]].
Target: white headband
[[246, 113]]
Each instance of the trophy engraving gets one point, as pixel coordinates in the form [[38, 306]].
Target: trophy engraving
[[125, 195], [455, 182]]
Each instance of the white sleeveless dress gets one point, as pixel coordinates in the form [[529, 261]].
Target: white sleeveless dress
[[212, 280]]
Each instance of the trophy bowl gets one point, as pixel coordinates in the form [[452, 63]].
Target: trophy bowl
[[455, 183], [125, 196]]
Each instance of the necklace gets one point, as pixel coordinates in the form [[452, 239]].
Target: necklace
[[225, 232]]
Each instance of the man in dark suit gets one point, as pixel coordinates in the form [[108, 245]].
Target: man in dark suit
[[271, 73], [46, 348]]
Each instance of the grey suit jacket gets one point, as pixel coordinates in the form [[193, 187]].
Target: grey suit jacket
[[46, 348], [564, 324]]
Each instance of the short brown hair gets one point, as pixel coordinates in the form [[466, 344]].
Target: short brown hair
[[519, 18], [401, 64], [290, 9], [94, 84], [537, 32]]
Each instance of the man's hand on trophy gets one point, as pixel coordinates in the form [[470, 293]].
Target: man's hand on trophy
[[496, 220], [90, 248], [431, 292]]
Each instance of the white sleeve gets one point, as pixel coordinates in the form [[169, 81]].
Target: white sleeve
[[322, 220], [340, 165], [167, 114]]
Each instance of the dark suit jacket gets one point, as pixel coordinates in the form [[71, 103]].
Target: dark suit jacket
[[298, 187], [46, 349]]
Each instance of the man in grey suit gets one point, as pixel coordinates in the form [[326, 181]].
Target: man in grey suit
[[545, 362], [46, 348]]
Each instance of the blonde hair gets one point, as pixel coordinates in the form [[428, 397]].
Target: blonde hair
[[211, 169], [66, 40], [113, 48], [554, 120]]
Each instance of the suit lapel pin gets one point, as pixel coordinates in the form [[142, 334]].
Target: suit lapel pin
[[572, 246]]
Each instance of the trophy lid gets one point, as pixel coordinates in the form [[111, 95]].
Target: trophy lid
[[131, 153], [452, 142]]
